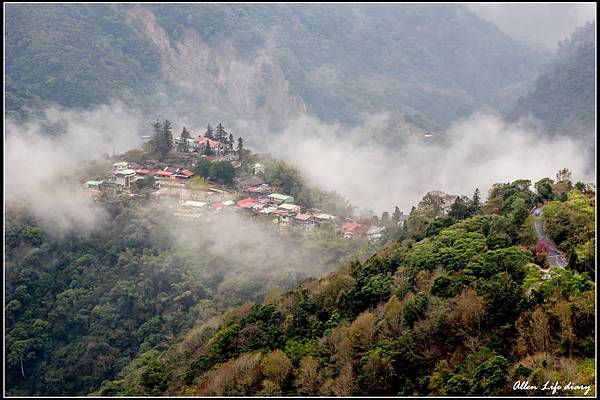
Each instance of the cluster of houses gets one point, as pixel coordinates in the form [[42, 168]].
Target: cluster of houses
[[280, 208], [256, 199], [281, 211], [254, 196], [167, 173], [259, 202], [124, 174]]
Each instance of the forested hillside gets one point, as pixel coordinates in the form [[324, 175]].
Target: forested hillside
[[454, 305], [563, 96], [80, 306], [432, 63]]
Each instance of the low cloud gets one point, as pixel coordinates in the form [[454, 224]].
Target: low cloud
[[248, 257], [41, 168], [473, 153]]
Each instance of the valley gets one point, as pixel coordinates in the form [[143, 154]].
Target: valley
[[284, 199]]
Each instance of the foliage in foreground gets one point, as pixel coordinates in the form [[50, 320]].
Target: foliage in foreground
[[464, 310]]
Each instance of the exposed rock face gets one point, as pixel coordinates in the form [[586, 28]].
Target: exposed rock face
[[220, 79]]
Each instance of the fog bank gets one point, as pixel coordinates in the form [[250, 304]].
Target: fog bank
[[41, 170], [474, 153]]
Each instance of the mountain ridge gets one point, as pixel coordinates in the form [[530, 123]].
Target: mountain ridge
[[563, 95], [439, 64]]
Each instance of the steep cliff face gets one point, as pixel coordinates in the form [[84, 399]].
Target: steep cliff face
[[219, 78]]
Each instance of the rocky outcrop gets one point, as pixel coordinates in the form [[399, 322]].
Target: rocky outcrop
[[220, 79]]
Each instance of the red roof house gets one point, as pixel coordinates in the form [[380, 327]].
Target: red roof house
[[163, 173], [303, 217], [187, 172], [248, 202], [350, 226], [203, 140], [354, 229]]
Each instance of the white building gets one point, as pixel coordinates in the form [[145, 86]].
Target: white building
[[290, 207], [93, 184], [125, 177], [194, 205], [375, 232]]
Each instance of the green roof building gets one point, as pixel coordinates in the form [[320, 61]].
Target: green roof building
[[281, 197]]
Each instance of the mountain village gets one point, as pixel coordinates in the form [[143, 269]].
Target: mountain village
[[177, 185]]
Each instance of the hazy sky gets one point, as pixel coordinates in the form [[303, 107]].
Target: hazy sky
[[545, 23]]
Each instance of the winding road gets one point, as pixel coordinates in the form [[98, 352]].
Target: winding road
[[556, 258]]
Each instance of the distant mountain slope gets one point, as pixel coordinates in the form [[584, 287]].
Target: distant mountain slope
[[563, 96], [74, 55], [264, 62]]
